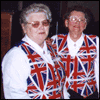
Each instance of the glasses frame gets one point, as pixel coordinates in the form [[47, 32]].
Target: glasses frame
[[78, 19], [34, 22]]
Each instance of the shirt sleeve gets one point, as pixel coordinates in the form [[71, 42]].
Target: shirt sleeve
[[97, 63], [15, 71]]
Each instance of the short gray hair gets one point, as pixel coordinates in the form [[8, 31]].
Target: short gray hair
[[33, 8]]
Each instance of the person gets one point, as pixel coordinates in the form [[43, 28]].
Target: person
[[31, 69], [80, 55]]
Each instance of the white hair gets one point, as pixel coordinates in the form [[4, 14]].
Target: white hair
[[34, 8]]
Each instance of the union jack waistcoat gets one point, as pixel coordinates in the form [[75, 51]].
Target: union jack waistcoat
[[45, 81], [80, 75]]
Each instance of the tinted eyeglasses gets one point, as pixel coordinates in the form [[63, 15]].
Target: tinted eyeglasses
[[35, 24]]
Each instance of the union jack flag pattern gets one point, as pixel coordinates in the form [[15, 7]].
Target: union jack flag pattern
[[45, 80], [80, 75]]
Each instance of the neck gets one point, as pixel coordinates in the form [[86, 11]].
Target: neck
[[41, 45], [74, 37]]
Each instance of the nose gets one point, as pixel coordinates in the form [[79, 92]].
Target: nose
[[77, 21], [41, 26]]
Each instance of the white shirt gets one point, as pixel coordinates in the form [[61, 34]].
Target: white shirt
[[16, 69], [74, 46]]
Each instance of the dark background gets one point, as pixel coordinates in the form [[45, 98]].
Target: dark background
[[57, 8]]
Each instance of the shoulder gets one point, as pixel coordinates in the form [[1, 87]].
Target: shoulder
[[92, 36], [14, 52], [62, 35], [14, 56]]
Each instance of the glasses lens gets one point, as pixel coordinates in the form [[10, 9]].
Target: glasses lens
[[73, 19], [45, 23], [35, 24]]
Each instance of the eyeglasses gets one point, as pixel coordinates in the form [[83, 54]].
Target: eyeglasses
[[36, 24], [75, 19]]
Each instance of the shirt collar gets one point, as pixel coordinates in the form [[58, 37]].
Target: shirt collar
[[35, 45], [78, 42]]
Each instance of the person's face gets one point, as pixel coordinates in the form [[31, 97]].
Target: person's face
[[76, 22], [37, 27]]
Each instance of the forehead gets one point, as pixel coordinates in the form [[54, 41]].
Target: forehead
[[38, 16], [77, 13]]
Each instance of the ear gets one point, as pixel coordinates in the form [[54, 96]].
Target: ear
[[66, 23], [23, 27]]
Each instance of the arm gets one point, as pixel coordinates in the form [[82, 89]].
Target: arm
[[97, 64], [15, 72]]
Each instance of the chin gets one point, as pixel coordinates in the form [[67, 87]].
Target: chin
[[75, 36], [42, 38]]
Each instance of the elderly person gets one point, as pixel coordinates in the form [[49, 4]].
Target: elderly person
[[80, 55], [31, 69]]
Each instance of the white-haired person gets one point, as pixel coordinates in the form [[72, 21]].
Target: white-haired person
[[32, 69]]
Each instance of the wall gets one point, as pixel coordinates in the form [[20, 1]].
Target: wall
[[92, 5]]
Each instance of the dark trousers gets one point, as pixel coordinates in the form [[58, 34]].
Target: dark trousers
[[75, 95]]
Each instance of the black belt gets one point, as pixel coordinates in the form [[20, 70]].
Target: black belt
[[75, 95]]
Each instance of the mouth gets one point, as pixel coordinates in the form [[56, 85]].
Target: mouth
[[41, 32], [76, 26]]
